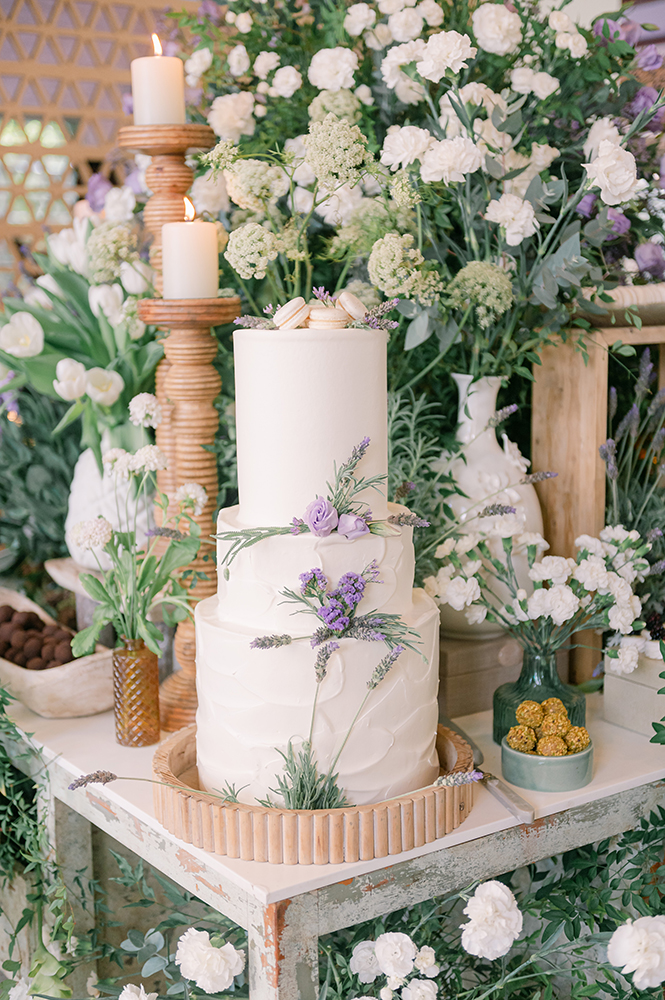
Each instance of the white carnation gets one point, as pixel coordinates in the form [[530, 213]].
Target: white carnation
[[621, 618], [21, 990], [265, 63], [395, 954], [591, 544], [431, 12], [209, 194], [212, 969], [398, 56], [104, 386], [378, 37], [363, 962], [625, 661], [425, 958], [515, 216], [560, 21], [554, 568], [22, 336], [450, 160], [462, 592], [496, 28], [196, 66], [538, 605], [528, 538], [420, 989], [592, 573], [495, 921], [445, 50], [286, 81], [230, 115], [602, 130], [405, 25], [639, 947], [544, 85], [243, 22], [238, 60], [475, 614], [614, 171], [70, 380], [564, 604], [521, 79], [359, 17], [333, 69], [577, 45], [132, 992], [364, 94], [405, 146]]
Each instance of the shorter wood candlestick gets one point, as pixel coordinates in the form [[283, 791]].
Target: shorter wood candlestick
[[192, 384]]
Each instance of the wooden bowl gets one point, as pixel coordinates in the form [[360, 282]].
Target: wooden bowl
[[82, 687], [306, 836]]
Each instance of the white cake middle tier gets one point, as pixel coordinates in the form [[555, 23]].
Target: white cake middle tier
[[252, 702], [257, 576]]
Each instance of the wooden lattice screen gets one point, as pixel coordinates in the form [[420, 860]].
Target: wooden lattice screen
[[64, 68]]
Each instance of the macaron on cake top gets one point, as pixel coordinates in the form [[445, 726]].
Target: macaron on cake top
[[323, 312]]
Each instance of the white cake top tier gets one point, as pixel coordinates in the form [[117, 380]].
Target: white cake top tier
[[304, 399]]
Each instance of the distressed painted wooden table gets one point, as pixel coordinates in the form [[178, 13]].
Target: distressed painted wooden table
[[286, 908]]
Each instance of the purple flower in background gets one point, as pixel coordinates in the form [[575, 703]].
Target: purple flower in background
[[649, 58], [352, 526], [133, 181], [650, 258], [620, 222], [128, 104], [606, 30], [171, 48], [209, 9], [321, 517], [586, 204], [629, 31], [98, 187], [645, 98]]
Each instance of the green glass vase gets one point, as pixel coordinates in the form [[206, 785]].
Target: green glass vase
[[538, 680]]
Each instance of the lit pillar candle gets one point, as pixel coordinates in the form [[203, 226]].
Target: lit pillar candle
[[158, 89], [190, 258]]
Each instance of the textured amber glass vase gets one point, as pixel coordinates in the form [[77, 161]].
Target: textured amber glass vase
[[538, 681], [135, 694]]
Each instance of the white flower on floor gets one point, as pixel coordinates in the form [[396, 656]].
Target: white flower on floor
[[71, 379], [119, 205], [420, 989], [333, 69], [515, 216], [395, 954], [104, 386], [445, 50], [614, 171], [93, 534], [22, 336], [145, 411], [495, 921], [496, 28], [192, 495], [639, 946], [20, 990], [363, 962], [132, 992], [107, 299], [150, 458], [91, 985], [359, 17], [212, 969]]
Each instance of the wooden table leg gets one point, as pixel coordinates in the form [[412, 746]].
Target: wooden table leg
[[283, 949]]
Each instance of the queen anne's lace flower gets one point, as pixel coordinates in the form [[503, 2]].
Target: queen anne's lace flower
[[253, 184], [486, 287], [396, 267], [494, 921], [192, 495], [93, 534], [108, 246], [336, 151], [341, 103], [212, 969], [145, 411], [250, 249]]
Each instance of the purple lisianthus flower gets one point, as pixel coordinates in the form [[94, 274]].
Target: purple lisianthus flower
[[586, 204], [352, 526], [620, 222], [127, 104], [606, 30], [98, 188], [650, 258], [643, 100], [649, 58], [321, 517]]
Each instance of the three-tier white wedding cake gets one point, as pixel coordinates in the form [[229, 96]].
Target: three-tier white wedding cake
[[304, 399]]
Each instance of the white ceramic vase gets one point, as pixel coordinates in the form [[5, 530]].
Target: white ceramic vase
[[485, 471], [92, 494]]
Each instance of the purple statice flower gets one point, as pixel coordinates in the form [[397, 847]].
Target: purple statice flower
[[313, 581], [352, 526], [645, 98], [496, 510], [298, 526], [612, 403], [403, 490], [209, 9], [586, 204], [649, 58], [270, 641], [608, 453], [351, 588], [537, 477], [383, 666], [620, 222], [500, 415], [321, 517], [98, 187], [649, 258], [254, 323], [332, 613], [408, 521], [653, 534], [322, 657]]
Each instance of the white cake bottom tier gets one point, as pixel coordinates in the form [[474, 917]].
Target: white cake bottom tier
[[253, 701], [259, 573]]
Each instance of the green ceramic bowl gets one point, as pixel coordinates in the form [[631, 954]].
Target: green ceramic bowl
[[547, 774]]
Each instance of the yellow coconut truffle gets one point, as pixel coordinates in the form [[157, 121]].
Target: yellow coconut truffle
[[521, 738], [529, 713], [551, 705], [577, 739], [555, 724], [551, 746]]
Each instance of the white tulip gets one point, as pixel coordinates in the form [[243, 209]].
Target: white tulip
[[22, 336], [136, 276], [107, 299], [104, 386], [36, 296], [71, 379]]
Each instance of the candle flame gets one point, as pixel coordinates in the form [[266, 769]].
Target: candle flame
[[190, 211], [157, 45]]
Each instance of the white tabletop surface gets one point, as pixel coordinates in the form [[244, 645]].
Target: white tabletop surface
[[622, 760]]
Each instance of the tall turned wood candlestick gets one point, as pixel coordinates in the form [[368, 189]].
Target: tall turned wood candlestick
[[191, 386], [169, 178]]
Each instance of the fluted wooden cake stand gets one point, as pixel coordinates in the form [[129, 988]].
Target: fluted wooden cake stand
[[307, 836], [169, 178], [191, 385]]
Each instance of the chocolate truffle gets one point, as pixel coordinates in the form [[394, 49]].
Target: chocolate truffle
[[551, 746], [529, 713], [521, 738], [21, 619], [35, 663], [6, 631], [32, 647], [6, 613], [577, 739], [20, 658], [18, 639], [63, 651]]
